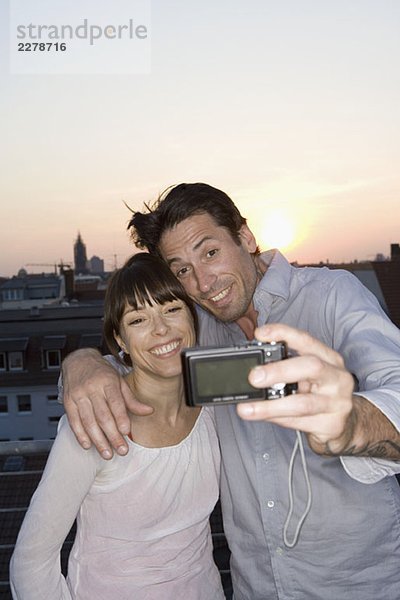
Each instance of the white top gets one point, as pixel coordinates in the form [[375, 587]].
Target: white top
[[143, 529]]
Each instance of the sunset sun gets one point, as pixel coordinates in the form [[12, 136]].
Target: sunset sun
[[276, 230]]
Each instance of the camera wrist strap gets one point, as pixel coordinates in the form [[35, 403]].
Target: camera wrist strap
[[298, 446]]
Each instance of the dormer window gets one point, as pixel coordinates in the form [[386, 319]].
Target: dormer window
[[52, 346], [12, 354]]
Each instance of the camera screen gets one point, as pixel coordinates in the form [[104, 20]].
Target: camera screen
[[225, 376]]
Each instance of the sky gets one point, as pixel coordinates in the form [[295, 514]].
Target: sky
[[291, 107]]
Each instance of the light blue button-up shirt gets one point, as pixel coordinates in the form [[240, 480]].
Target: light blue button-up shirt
[[349, 546]]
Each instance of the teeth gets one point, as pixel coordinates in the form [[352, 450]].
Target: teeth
[[165, 349], [220, 295]]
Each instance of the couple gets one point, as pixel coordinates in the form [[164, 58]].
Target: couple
[[348, 405]]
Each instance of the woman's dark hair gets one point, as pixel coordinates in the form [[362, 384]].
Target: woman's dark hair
[[144, 278], [178, 203]]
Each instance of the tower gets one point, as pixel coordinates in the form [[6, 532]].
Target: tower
[[80, 259]]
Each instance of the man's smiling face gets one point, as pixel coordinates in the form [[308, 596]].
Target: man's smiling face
[[217, 273]]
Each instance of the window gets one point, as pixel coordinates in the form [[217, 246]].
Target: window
[[12, 353], [15, 361], [13, 295], [54, 420], [14, 463], [24, 403], [53, 359], [52, 346], [52, 399], [3, 404]]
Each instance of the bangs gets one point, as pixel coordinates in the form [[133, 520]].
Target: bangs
[[147, 280], [137, 296]]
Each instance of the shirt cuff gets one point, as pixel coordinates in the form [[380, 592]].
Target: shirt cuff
[[369, 470]]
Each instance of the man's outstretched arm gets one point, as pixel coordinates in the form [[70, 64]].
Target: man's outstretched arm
[[337, 422], [96, 399]]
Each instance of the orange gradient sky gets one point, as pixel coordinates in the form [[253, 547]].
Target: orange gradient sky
[[291, 107]]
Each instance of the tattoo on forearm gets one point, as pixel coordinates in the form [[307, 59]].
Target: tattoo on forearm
[[382, 449], [368, 433]]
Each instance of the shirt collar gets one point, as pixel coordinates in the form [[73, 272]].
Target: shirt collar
[[276, 279]]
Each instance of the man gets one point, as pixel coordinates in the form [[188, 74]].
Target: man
[[349, 545]]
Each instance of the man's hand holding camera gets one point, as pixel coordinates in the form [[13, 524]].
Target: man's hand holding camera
[[324, 407]]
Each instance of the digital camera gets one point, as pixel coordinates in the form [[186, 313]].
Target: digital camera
[[219, 375]]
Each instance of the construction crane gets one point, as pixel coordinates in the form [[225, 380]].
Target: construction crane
[[63, 266]]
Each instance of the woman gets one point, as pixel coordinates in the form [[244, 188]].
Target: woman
[[142, 519]]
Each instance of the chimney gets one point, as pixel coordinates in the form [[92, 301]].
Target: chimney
[[69, 282], [395, 252]]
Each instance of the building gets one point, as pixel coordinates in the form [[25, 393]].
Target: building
[[80, 258], [388, 275], [33, 344], [27, 290], [96, 265]]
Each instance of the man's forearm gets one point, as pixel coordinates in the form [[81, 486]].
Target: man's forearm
[[368, 433]]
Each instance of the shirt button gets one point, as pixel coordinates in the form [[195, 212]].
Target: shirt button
[[270, 504], [279, 551], [266, 456]]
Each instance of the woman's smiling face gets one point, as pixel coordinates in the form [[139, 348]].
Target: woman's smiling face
[[154, 335]]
